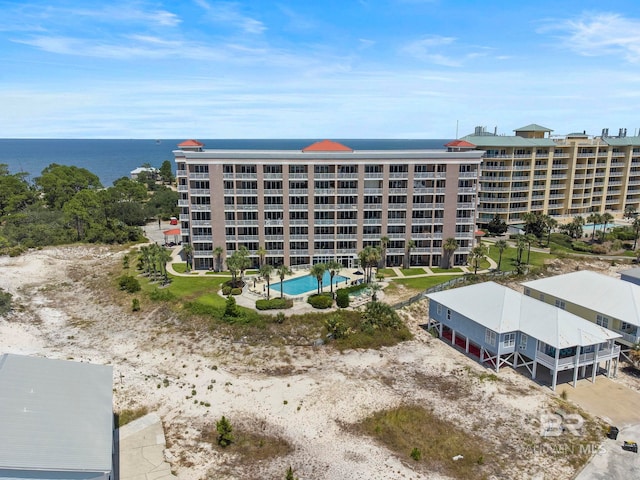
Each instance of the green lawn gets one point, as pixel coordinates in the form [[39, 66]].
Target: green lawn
[[422, 283], [446, 270], [536, 259], [194, 289], [408, 272], [179, 267], [387, 272]]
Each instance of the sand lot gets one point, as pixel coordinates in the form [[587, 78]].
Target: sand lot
[[302, 394]]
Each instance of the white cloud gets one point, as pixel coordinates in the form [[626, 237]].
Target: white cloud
[[229, 14], [599, 34], [429, 48]]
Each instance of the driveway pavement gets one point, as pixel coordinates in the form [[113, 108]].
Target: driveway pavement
[[612, 462]]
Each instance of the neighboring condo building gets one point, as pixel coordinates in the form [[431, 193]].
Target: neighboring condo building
[[327, 202], [576, 174]]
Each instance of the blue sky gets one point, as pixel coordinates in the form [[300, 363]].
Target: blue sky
[[316, 69]]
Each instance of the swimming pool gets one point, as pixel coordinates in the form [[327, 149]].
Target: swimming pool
[[599, 226], [296, 286]]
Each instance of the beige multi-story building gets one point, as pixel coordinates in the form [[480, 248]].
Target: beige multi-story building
[[327, 202], [576, 174]]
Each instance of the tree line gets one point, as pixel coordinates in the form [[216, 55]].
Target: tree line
[[67, 204]]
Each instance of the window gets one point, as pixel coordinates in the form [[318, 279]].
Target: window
[[625, 326], [602, 321], [523, 341], [489, 337], [509, 340], [560, 304], [527, 292], [448, 314], [542, 297]]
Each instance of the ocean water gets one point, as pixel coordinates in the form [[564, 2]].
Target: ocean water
[[111, 159]]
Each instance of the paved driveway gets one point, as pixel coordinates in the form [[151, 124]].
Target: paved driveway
[[613, 463]]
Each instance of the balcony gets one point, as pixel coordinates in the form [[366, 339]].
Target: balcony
[[199, 176], [200, 192], [202, 238], [583, 359]]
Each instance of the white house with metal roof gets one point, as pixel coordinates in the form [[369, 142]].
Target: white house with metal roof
[[503, 327], [601, 299], [56, 419]]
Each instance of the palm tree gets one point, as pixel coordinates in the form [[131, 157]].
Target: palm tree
[[450, 245], [334, 267], [164, 257], [521, 243], [407, 258], [282, 272], [317, 271], [375, 288], [262, 253], [265, 272], [384, 243], [550, 224], [217, 253], [187, 249], [636, 230], [529, 238], [477, 254], [501, 245], [594, 218], [369, 257], [606, 218]]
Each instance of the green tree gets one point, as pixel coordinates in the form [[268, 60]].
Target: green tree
[[187, 249], [534, 223], [162, 202], [450, 245], [225, 432], [529, 238], [266, 271], [282, 271], [501, 245], [369, 257], [334, 268], [217, 255], [636, 231], [384, 244], [606, 219], [317, 272], [237, 263], [550, 224], [262, 253], [81, 209], [497, 226], [594, 218], [407, 257], [15, 192], [59, 183], [166, 172], [478, 254], [378, 315], [164, 257], [630, 211]]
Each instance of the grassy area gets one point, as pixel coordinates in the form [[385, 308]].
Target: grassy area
[[420, 283], [180, 267], [128, 415], [536, 259], [408, 272], [446, 270], [418, 436], [387, 272]]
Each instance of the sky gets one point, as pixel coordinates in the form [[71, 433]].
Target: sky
[[316, 68]]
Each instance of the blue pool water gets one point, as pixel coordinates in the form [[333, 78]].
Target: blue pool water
[[599, 226], [296, 286]]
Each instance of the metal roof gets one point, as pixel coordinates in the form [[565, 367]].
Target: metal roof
[[508, 141], [533, 127], [597, 292], [55, 415], [622, 141], [504, 310]]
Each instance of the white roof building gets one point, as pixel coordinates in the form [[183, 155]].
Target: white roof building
[[56, 419]]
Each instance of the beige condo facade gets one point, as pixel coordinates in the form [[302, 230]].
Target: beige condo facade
[[561, 176], [327, 202]]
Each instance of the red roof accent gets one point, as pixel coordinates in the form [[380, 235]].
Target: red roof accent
[[173, 231], [327, 146], [460, 143], [479, 233], [191, 143]]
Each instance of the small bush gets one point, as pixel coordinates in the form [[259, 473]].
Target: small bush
[[342, 298], [225, 432], [600, 249], [416, 454], [274, 303], [320, 301], [129, 284], [5, 302], [236, 291], [226, 290], [135, 305], [163, 295], [580, 246]]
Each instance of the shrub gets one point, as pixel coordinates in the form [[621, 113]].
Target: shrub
[[225, 432], [231, 308], [320, 301], [416, 454], [129, 284], [135, 305], [5, 302], [226, 290], [599, 249], [236, 291], [163, 295], [580, 246], [342, 298], [336, 327], [274, 303]]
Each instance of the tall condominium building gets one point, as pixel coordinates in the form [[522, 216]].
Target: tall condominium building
[[576, 174], [327, 202]]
